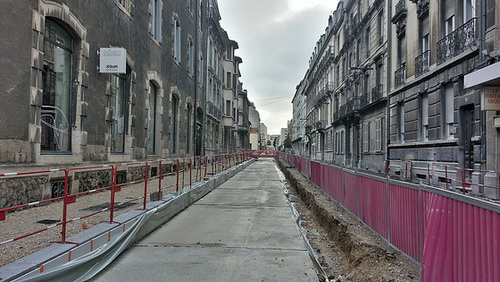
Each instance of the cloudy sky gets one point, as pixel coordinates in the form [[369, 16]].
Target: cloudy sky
[[276, 40]]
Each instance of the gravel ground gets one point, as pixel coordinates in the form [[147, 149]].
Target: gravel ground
[[29, 220]]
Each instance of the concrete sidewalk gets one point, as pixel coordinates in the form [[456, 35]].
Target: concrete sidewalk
[[244, 230]]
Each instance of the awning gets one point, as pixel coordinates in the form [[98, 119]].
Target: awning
[[487, 76]]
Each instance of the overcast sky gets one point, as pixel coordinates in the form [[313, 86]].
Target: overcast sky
[[276, 40]]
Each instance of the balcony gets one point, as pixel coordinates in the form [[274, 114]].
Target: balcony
[[400, 7], [365, 99], [377, 92], [321, 124], [350, 107], [422, 63], [400, 75], [457, 42]]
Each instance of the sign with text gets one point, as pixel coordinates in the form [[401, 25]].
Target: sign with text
[[113, 60], [491, 98]]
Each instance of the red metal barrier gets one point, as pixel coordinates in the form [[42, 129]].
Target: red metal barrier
[[70, 197]]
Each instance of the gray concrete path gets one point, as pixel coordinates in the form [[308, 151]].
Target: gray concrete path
[[244, 230]]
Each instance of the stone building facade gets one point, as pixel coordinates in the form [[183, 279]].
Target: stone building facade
[[59, 107], [394, 86]]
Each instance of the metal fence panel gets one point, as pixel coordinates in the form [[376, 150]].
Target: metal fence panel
[[373, 204], [350, 192], [404, 220], [461, 241]]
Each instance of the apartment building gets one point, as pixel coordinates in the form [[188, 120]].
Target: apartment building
[[435, 120], [398, 84], [113, 81], [345, 87]]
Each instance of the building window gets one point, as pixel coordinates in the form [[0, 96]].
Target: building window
[[367, 41], [152, 119], [156, 19], [469, 8], [119, 96], [201, 73], [449, 110], [449, 25], [380, 25], [228, 79], [56, 115], [228, 108], [366, 137], [175, 121], [191, 57], [177, 40], [189, 140], [401, 117], [425, 117], [379, 125]]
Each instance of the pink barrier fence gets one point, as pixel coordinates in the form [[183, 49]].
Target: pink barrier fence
[[404, 224], [373, 203], [349, 192], [461, 241], [454, 237]]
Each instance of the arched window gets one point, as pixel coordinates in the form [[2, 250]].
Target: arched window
[[56, 112], [175, 121], [152, 119]]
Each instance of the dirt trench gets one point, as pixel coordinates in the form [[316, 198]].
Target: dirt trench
[[347, 249]]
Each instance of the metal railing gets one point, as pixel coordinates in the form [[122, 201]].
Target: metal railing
[[457, 41], [400, 75], [422, 63], [171, 176]]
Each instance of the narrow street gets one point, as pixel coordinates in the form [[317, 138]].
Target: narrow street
[[242, 231]]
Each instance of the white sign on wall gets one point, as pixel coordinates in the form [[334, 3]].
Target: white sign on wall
[[113, 60]]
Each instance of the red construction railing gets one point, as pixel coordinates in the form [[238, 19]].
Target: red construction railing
[[175, 171]]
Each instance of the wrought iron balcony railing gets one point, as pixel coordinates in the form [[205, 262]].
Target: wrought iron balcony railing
[[365, 99], [400, 75], [377, 92], [422, 63], [400, 6], [457, 42]]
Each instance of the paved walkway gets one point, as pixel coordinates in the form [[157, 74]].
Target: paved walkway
[[244, 230]]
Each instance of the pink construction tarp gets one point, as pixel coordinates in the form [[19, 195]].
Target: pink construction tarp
[[334, 187], [373, 204], [403, 219], [453, 239], [461, 241], [350, 200]]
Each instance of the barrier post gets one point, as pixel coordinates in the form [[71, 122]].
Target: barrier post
[[206, 164], [113, 191], [177, 185], [183, 172], [145, 187], [67, 200], [190, 172], [159, 181]]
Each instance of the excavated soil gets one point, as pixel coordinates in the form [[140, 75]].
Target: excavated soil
[[346, 248]]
